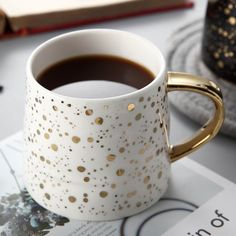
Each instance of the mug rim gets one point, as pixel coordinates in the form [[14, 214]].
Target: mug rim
[[158, 76]]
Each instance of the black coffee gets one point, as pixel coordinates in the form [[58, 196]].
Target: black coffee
[[95, 68]]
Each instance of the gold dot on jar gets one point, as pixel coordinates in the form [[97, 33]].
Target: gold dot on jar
[[90, 139], [120, 172], [42, 158], [113, 185], [86, 179], [75, 139], [54, 147], [225, 33], [159, 174], [232, 20], [38, 132], [46, 136], [81, 168], [138, 116], [131, 107], [66, 134], [99, 120], [220, 64], [216, 55], [41, 185], [85, 200], [72, 199], [89, 112], [226, 11], [111, 157], [54, 108], [47, 196], [146, 179], [50, 130], [85, 195], [44, 117], [103, 194]]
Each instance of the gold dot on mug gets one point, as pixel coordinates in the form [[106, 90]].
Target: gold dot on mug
[[89, 112], [141, 99], [72, 199], [113, 185], [138, 116], [85, 200], [141, 151], [41, 185], [86, 179], [138, 204], [54, 108], [38, 132], [75, 139], [146, 179], [103, 194], [42, 158], [99, 120], [47, 196], [46, 136], [120, 172], [131, 107], [122, 149], [50, 130], [131, 194], [81, 168], [111, 157], [90, 139], [54, 147], [44, 117], [48, 162]]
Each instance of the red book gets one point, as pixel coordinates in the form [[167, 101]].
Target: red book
[[29, 17]]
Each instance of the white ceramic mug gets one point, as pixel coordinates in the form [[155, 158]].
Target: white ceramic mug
[[105, 158]]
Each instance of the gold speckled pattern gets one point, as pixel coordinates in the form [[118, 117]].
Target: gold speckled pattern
[[218, 48], [93, 160]]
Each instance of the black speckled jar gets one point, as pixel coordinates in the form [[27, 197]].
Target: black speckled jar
[[219, 38]]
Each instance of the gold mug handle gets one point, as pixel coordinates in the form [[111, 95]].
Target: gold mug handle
[[182, 81]]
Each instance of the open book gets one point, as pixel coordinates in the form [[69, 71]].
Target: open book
[[198, 202], [27, 16]]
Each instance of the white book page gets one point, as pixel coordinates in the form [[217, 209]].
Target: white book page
[[28, 7]]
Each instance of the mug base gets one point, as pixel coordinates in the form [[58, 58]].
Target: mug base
[[108, 217]]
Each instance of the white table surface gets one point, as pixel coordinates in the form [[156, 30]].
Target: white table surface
[[218, 155]]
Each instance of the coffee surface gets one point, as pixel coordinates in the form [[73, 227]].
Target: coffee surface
[[96, 67]]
